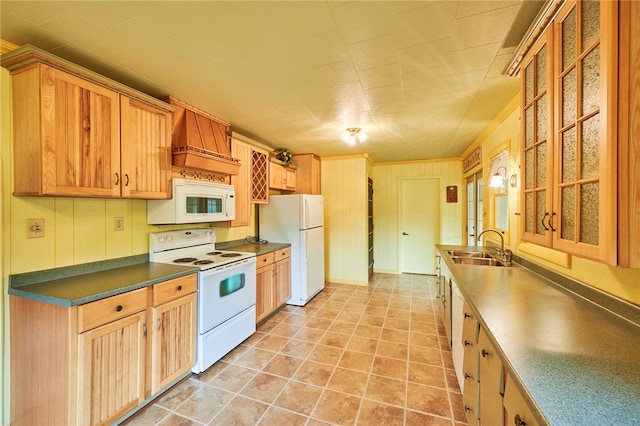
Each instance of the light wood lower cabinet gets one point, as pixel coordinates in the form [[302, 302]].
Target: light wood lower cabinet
[[491, 382], [516, 410], [273, 282], [93, 363], [470, 364], [174, 336]]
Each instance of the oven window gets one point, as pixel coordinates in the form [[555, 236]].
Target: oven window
[[203, 205], [231, 284]]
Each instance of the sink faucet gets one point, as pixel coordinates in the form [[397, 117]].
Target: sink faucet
[[505, 255]]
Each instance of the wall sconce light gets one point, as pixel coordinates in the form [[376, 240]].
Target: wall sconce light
[[354, 135], [498, 180]]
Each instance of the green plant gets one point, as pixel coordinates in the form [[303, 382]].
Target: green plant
[[284, 155]]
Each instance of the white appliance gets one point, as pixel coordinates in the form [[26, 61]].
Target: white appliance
[[194, 202], [298, 219], [226, 289]]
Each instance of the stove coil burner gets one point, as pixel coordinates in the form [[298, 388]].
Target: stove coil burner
[[230, 255], [214, 253], [185, 260], [203, 262]]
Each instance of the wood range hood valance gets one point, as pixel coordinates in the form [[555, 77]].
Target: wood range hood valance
[[201, 141]]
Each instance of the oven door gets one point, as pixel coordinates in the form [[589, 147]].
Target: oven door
[[225, 293]]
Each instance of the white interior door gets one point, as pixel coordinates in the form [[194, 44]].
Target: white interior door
[[419, 225]]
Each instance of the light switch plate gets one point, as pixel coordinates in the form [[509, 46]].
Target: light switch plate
[[35, 228], [118, 224]]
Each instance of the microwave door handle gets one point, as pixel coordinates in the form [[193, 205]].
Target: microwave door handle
[[226, 205]]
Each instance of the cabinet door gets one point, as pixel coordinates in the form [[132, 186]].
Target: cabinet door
[[277, 176], [516, 410], [283, 281], [174, 341], [585, 120], [290, 179], [80, 150], [259, 176], [537, 146], [491, 382], [265, 296], [242, 183], [111, 370], [146, 150], [308, 173]]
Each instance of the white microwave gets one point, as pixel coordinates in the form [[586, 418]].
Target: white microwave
[[194, 202]]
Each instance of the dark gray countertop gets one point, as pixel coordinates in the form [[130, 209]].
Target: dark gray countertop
[[245, 246], [80, 284], [578, 362]]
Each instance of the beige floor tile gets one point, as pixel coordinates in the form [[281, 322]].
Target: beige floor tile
[[299, 397], [428, 399], [348, 381], [374, 355], [233, 378], [386, 390], [279, 417], [337, 408], [283, 365], [240, 411], [264, 387], [377, 413], [315, 373], [390, 367], [205, 404]]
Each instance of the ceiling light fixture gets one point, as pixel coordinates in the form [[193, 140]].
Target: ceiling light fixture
[[354, 135]]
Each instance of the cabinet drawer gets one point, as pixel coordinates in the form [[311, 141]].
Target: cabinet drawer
[[172, 289], [490, 363], [470, 327], [283, 254], [94, 314], [265, 259], [517, 411]]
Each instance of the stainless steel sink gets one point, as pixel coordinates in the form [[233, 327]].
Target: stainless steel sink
[[467, 260], [471, 254]]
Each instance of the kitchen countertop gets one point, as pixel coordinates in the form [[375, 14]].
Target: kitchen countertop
[[245, 246], [80, 284], [577, 361]]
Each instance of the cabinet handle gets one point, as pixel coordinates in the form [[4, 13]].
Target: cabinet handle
[[546, 214], [118, 308], [117, 179], [126, 180], [467, 409], [179, 288], [467, 343], [467, 376], [484, 353], [517, 421], [550, 222], [466, 315], [144, 329], [159, 326]]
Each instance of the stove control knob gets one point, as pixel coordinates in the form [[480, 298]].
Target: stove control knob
[[169, 238], [161, 240]]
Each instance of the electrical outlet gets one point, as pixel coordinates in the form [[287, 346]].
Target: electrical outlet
[[118, 224], [35, 228]]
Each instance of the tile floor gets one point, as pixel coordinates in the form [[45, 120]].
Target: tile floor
[[354, 355]]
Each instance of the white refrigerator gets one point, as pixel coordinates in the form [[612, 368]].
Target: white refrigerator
[[298, 219]]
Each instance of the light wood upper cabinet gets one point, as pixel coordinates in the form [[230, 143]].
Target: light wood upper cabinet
[[259, 176], [308, 174], [280, 177], [145, 145], [242, 183], [569, 161], [79, 134]]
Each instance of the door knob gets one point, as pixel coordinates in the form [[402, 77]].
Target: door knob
[[404, 233]]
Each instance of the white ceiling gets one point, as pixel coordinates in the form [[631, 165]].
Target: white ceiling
[[422, 78]]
